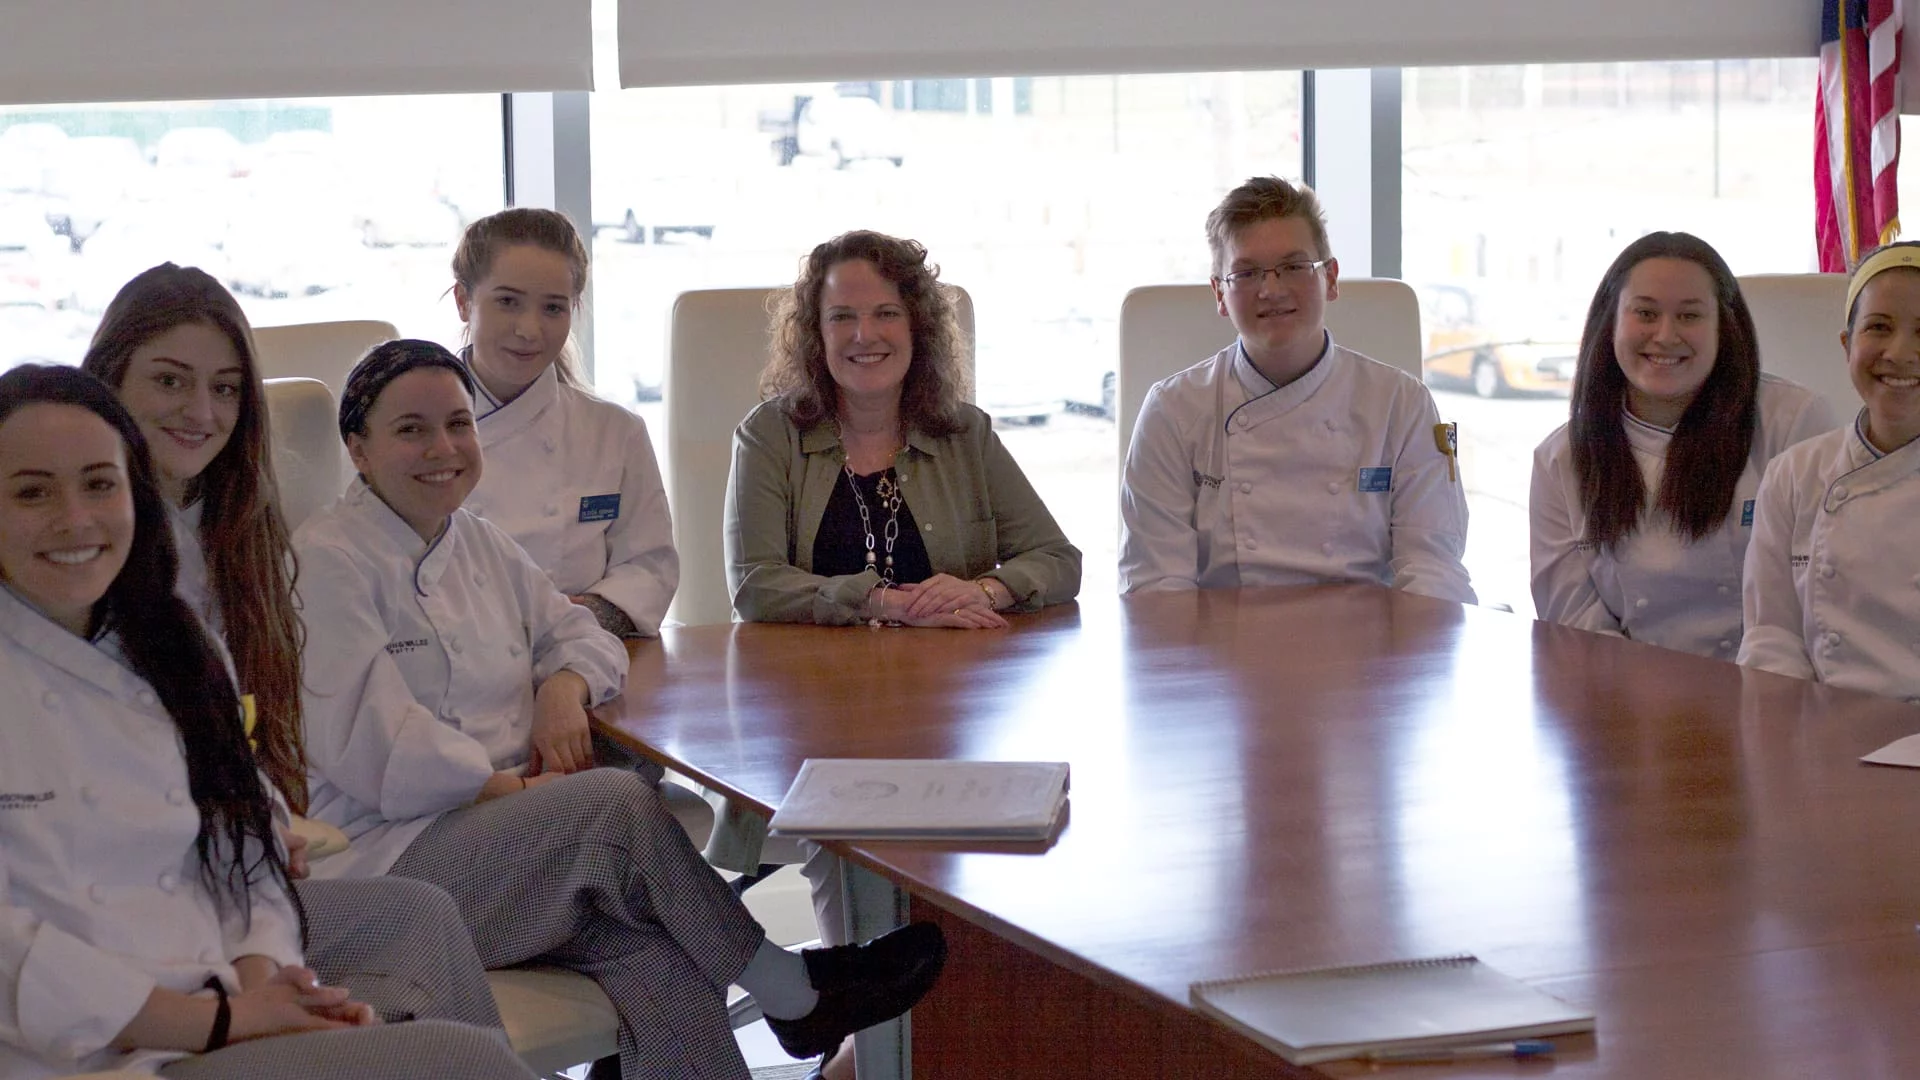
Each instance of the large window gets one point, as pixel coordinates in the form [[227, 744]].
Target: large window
[[307, 209], [1521, 184], [1046, 198]]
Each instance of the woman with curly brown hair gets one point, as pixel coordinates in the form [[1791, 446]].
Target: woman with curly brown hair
[[865, 488]]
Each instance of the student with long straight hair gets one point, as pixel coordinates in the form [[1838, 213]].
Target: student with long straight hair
[[435, 642], [146, 919], [1642, 502], [177, 349], [1833, 574]]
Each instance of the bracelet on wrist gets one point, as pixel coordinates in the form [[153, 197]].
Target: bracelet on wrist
[[222, 1016], [993, 602], [876, 604]]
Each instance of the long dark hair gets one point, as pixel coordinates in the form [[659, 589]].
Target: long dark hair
[[250, 562], [1709, 448], [164, 643], [936, 382]]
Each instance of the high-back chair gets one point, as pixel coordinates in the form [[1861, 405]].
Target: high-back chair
[[1798, 319], [321, 350], [306, 446], [717, 347], [1165, 329]]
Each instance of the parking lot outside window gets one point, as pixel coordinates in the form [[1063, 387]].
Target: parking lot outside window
[[1047, 199], [309, 210]]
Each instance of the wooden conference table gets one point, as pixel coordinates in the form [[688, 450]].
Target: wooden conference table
[[1286, 778]]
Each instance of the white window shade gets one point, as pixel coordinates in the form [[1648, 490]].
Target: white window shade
[[152, 50], [676, 42]]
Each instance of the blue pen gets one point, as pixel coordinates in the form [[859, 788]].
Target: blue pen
[[1524, 1048]]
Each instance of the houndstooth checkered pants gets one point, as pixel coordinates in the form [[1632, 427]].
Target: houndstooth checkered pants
[[390, 1052], [591, 873], [399, 945]]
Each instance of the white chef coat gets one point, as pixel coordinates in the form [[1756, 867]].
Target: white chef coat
[[193, 584], [572, 478], [1655, 586], [101, 898], [1833, 574], [420, 668], [1334, 477]]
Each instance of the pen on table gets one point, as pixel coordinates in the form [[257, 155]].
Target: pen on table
[[1524, 1048]]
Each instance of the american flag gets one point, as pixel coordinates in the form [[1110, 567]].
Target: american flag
[[1856, 130]]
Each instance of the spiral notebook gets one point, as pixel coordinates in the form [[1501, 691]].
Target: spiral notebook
[[1328, 1014]]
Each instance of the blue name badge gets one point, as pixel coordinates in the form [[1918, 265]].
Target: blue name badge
[[1746, 514], [1377, 479], [600, 507]]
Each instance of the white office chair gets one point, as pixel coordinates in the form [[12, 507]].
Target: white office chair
[[556, 1019], [717, 347], [1165, 329], [321, 350], [306, 446], [1798, 319]]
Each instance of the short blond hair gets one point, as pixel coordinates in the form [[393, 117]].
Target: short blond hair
[[1260, 199]]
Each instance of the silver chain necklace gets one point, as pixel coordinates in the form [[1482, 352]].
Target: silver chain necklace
[[889, 493]]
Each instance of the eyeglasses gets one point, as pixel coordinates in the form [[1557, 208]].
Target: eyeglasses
[[1287, 273]]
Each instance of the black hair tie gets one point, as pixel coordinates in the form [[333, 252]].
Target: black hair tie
[[222, 1016]]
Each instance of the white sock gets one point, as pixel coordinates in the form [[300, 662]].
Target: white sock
[[777, 979]]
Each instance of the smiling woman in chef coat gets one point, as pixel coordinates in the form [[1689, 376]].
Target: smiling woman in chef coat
[[145, 917], [571, 477], [1643, 501], [438, 659], [1833, 574], [179, 352]]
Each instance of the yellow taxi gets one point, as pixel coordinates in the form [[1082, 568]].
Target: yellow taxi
[[1464, 349]]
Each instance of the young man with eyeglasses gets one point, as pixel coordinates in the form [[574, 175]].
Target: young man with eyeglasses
[[1285, 459]]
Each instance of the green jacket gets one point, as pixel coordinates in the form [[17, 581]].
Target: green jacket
[[978, 516]]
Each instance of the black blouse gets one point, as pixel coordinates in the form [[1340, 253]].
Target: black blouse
[[840, 547]]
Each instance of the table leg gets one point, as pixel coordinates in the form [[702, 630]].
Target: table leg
[[874, 906]]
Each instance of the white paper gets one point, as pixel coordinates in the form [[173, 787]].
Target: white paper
[[853, 797], [1903, 752]]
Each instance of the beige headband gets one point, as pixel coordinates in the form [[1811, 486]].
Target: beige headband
[[1876, 264]]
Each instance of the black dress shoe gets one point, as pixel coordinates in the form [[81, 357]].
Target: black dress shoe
[[863, 985]]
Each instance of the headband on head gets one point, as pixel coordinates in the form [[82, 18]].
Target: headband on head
[[383, 364], [1887, 258]]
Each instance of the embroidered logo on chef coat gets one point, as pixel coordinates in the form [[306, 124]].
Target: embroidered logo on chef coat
[[23, 800], [1798, 561], [599, 507], [1379, 478], [1746, 514], [396, 648], [1201, 479]]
